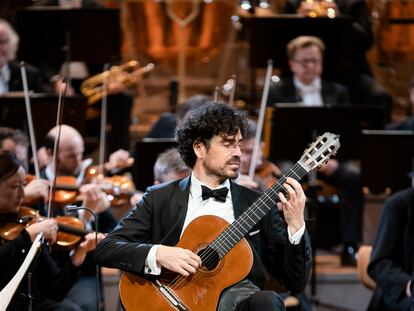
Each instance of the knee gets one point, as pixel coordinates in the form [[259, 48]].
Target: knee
[[266, 300]]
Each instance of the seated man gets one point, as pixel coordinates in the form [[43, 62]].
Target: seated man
[[392, 258], [306, 86], [357, 76], [143, 243]]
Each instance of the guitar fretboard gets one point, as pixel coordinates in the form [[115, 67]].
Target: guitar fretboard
[[239, 228]]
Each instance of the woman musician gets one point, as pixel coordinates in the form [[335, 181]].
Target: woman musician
[[48, 283]]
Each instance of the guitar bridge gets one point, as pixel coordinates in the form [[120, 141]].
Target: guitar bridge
[[171, 297]]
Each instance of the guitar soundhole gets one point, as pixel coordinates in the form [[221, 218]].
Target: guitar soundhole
[[209, 257]]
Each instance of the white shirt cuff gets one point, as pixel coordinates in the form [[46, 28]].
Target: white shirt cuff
[[295, 239], [407, 289], [151, 266]]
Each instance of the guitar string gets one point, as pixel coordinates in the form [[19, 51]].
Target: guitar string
[[209, 256]]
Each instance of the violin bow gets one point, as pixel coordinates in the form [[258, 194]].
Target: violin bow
[[30, 119], [59, 117], [103, 121], [263, 103]]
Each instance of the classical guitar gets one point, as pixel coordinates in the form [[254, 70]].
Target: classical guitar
[[226, 256]]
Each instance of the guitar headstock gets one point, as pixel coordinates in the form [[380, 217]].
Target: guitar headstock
[[320, 151]]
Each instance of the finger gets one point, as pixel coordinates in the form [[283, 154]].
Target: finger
[[279, 206], [290, 192], [193, 255], [294, 183], [194, 263], [182, 271], [282, 197], [190, 269]]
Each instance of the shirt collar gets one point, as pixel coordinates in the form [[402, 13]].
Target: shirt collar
[[5, 73], [195, 188], [315, 85]]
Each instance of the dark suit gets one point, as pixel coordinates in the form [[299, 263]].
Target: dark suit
[[159, 218], [392, 257], [34, 79], [284, 91], [347, 181]]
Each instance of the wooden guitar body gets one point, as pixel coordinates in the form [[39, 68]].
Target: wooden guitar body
[[201, 290]]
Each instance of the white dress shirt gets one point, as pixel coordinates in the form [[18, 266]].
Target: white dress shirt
[[196, 208], [4, 79], [310, 93]]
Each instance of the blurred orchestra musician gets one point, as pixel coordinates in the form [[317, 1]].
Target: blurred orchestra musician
[[15, 141], [10, 75], [392, 258], [168, 167], [168, 122], [49, 283], [406, 123], [358, 78], [305, 56], [70, 162], [266, 173]]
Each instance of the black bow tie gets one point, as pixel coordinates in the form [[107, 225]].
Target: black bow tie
[[218, 194]]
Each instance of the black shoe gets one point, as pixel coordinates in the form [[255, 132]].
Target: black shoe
[[348, 256]]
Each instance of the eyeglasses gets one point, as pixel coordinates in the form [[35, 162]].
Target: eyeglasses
[[305, 62]]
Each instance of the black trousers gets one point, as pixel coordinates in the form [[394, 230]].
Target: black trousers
[[246, 296]]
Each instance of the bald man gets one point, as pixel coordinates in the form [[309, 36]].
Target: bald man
[[70, 163]]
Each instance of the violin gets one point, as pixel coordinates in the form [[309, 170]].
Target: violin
[[118, 189], [71, 229], [108, 168]]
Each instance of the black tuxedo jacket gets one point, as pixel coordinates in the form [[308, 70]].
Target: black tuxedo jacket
[[284, 91], [392, 259], [34, 79], [159, 217]]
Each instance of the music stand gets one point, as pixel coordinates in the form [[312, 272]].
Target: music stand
[[44, 111], [293, 127], [145, 154], [387, 160], [55, 35]]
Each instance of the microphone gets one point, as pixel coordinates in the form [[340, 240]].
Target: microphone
[[74, 208]]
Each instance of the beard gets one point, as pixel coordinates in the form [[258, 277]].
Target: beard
[[222, 172]]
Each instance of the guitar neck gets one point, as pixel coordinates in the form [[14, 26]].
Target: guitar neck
[[239, 228]]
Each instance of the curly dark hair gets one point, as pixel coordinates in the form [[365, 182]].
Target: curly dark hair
[[204, 123]]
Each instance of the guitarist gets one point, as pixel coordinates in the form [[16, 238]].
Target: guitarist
[[209, 143]]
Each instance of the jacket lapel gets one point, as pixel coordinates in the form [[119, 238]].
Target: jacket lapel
[[15, 83], [178, 211], [239, 203]]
